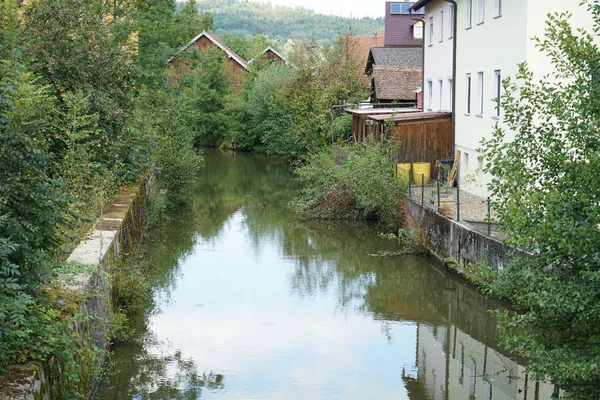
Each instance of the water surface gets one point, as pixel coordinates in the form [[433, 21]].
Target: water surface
[[251, 303]]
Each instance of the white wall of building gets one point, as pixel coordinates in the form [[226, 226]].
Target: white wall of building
[[497, 43], [437, 70], [487, 45]]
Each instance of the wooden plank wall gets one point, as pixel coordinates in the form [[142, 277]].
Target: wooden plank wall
[[424, 141]]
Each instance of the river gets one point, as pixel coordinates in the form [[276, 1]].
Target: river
[[250, 302]]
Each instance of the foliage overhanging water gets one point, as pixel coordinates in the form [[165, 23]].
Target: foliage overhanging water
[[251, 303]]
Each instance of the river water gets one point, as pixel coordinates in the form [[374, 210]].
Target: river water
[[250, 302]]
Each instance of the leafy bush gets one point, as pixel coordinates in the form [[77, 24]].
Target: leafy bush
[[544, 161], [351, 181]]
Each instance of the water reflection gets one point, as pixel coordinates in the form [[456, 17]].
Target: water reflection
[[287, 309]]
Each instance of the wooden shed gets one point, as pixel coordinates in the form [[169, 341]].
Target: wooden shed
[[362, 126], [424, 136]]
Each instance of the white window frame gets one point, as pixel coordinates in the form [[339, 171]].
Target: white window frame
[[497, 93], [497, 8], [468, 91], [441, 25], [430, 95], [480, 90], [418, 30], [441, 87], [469, 15], [451, 92], [451, 13], [480, 11], [431, 29]]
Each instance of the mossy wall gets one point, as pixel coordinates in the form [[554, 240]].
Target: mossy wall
[[448, 239], [85, 297]]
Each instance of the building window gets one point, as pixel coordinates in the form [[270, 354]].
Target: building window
[[441, 86], [402, 8], [497, 8], [441, 25], [480, 93], [451, 92], [429, 95], [497, 91], [468, 94], [480, 11], [431, 30], [418, 30], [451, 24], [469, 8]]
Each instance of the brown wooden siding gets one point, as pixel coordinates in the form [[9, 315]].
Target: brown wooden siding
[[424, 141], [235, 71]]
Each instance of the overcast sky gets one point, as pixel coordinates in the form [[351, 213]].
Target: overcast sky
[[347, 8]]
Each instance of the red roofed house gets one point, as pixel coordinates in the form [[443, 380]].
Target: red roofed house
[[396, 69], [205, 41], [272, 55]]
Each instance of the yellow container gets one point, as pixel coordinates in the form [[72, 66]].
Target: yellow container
[[421, 172], [402, 171]]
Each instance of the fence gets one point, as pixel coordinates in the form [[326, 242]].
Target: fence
[[452, 202]]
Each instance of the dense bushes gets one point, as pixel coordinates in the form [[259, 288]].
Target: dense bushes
[[351, 181], [80, 115], [289, 108]]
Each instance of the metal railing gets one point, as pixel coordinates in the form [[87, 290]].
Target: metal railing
[[451, 201]]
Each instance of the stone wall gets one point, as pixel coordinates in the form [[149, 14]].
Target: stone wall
[[89, 292], [448, 239]]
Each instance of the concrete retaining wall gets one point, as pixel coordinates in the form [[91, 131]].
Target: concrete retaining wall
[[447, 238], [88, 293]]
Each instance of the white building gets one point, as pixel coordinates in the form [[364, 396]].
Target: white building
[[492, 37], [438, 50]]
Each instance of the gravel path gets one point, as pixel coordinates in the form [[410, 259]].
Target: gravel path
[[473, 209]]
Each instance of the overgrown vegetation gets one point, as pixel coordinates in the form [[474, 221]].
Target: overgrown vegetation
[[88, 104], [287, 111], [82, 112], [352, 181], [546, 195]]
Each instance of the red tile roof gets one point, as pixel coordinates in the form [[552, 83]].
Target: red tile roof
[[396, 83]]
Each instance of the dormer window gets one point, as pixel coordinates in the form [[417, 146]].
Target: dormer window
[[402, 8]]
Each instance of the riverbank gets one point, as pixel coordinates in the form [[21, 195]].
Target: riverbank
[[249, 301], [84, 297]]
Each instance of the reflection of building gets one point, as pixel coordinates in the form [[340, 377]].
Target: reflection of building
[[453, 365], [457, 352]]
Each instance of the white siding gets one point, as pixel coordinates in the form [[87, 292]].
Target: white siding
[[438, 56], [497, 44], [500, 43]]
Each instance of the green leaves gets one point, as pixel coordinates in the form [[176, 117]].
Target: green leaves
[[544, 159], [351, 181]]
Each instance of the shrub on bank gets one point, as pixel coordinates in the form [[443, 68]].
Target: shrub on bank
[[351, 181]]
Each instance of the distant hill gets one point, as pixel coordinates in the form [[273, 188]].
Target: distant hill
[[246, 18]]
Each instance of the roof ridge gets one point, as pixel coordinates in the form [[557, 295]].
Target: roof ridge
[[220, 44]]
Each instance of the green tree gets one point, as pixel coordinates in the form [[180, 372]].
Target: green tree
[[74, 51], [352, 181], [163, 32], [324, 78], [270, 126], [546, 192]]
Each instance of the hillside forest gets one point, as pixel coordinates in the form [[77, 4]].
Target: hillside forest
[[281, 24]]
